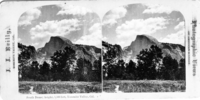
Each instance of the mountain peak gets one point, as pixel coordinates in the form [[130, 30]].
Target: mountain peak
[[141, 42], [52, 38], [144, 41], [144, 36], [55, 43]]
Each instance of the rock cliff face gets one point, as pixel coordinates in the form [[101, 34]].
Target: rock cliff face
[[90, 53], [128, 53], [176, 51], [141, 42], [54, 44], [115, 50]]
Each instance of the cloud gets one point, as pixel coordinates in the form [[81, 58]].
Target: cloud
[[19, 39], [35, 44], [157, 9], [128, 31], [180, 26], [74, 10], [176, 38], [44, 30], [94, 36], [113, 15], [104, 38], [29, 16], [54, 28]]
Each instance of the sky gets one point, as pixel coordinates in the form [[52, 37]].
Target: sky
[[78, 24], [122, 24]]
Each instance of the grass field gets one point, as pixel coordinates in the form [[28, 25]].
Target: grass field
[[127, 86], [59, 87]]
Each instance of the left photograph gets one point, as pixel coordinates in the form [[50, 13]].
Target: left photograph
[[59, 50]]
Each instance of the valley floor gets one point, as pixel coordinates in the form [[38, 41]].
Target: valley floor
[[109, 86], [128, 86], [59, 87]]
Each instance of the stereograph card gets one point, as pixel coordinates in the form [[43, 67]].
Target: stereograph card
[[99, 49]]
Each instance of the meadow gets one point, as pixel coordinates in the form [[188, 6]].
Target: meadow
[[60, 87], [128, 86]]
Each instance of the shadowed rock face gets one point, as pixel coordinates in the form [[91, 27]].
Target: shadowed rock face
[[116, 49], [54, 44], [176, 51], [90, 53], [141, 42]]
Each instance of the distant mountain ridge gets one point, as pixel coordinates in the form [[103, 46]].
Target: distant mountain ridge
[[128, 53], [56, 43]]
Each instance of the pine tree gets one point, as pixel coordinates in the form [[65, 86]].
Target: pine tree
[[148, 62], [170, 68], [44, 71], [62, 61]]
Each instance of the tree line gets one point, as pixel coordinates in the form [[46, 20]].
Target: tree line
[[150, 65], [64, 66]]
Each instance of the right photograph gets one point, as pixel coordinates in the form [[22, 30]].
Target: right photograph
[[143, 49]]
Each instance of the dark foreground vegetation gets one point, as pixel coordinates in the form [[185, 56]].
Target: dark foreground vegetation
[[150, 65], [63, 65]]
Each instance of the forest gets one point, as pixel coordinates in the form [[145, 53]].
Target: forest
[[64, 66], [150, 65]]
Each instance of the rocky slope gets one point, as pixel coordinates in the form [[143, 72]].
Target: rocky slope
[[115, 50], [90, 53], [176, 51]]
